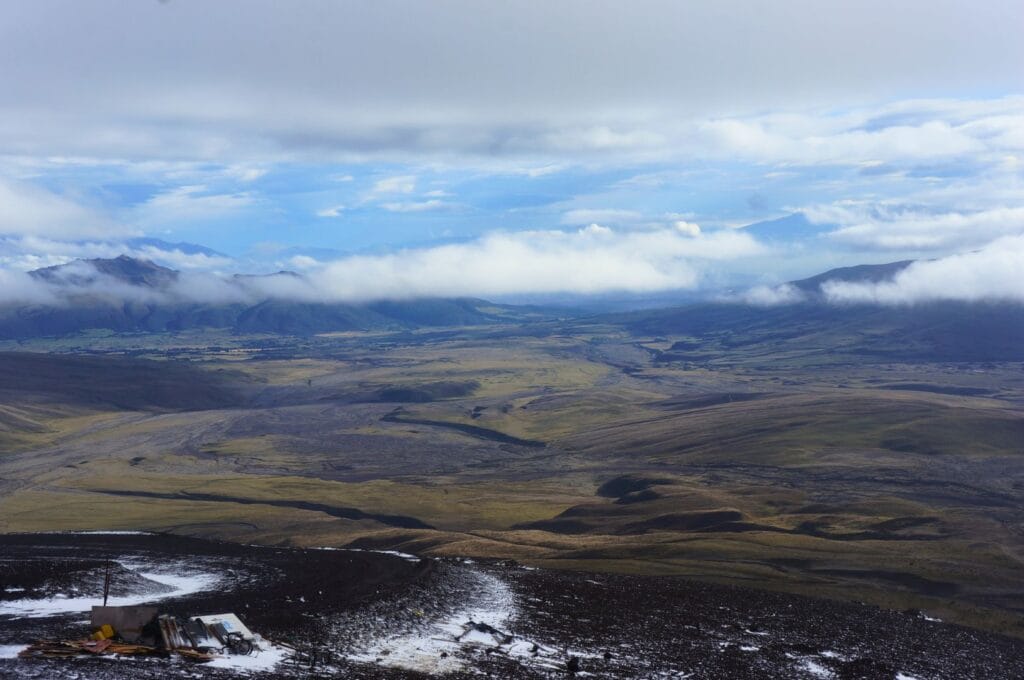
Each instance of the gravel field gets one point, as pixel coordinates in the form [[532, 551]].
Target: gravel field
[[357, 614]]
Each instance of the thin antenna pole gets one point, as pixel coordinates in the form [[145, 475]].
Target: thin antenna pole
[[106, 584]]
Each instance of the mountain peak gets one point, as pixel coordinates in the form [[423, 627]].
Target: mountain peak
[[130, 270], [862, 273]]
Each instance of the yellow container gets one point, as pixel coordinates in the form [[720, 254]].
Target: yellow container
[[97, 636], [107, 630]]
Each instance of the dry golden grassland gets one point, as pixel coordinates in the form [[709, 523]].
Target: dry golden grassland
[[809, 480]]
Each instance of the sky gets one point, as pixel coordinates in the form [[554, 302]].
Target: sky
[[452, 147]]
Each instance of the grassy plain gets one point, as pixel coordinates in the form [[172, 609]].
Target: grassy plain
[[570, 445]]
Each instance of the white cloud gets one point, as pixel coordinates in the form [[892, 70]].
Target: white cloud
[[760, 140], [191, 203], [890, 226], [333, 211], [601, 138], [595, 230], [25, 262], [400, 184], [687, 228], [17, 287], [416, 206], [303, 262], [177, 259], [992, 273], [770, 296], [33, 252], [592, 260], [26, 209], [244, 173], [631, 219], [541, 171]]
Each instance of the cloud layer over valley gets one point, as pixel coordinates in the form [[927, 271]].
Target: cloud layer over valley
[[592, 259], [453, 148]]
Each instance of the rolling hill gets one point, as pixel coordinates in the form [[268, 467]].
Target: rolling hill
[[934, 331], [126, 294]]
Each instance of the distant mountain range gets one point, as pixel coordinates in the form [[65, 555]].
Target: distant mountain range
[[933, 331], [166, 246], [126, 294]]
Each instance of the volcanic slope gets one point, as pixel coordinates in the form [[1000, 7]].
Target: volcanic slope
[[344, 613]]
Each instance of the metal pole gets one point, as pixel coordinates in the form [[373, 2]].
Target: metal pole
[[106, 584]]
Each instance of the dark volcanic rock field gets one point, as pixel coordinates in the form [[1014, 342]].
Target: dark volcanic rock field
[[356, 614]]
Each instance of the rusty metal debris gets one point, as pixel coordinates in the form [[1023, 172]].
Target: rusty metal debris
[[141, 631], [69, 648]]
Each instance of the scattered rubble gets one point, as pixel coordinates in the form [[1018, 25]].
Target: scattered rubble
[[346, 614], [141, 631]]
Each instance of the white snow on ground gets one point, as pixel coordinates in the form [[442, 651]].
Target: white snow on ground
[[394, 553], [421, 650], [815, 669], [64, 604], [405, 556], [267, 659], [906, 676], [10, 651]]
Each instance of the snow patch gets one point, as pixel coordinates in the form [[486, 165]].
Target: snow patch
[[405, 556], [394, 553], [266, 659], [63, 604], [815, 668], [10, 651], [446, 645]]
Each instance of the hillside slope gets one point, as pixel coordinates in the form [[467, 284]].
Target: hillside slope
[[126, 294]]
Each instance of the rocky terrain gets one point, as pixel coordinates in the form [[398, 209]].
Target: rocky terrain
[[351, 613]]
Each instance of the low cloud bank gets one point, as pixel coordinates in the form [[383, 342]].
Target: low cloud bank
[[26, 253], [993, 273], [770, 296], [594, 259], [590, 260]]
